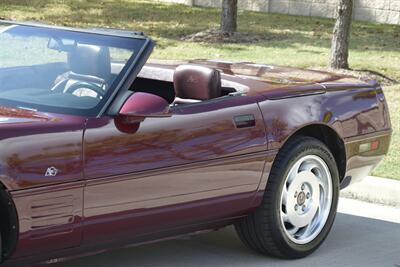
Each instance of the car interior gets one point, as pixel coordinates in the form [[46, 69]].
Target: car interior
[[89, 71], [186, 84], [88, 66], [190, 84], [81, 81]]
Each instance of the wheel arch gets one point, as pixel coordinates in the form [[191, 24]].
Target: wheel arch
[[330, 137], [8, 223]]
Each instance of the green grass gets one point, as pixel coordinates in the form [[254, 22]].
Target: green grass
[[293, 40]]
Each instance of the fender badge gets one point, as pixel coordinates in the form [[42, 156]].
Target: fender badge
[[51, 171]]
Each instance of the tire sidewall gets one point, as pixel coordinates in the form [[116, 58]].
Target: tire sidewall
[[1, 249]]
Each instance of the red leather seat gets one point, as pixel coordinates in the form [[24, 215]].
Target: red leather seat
[[195, 83]]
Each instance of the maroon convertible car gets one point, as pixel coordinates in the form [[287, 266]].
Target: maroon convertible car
[[99, 149]]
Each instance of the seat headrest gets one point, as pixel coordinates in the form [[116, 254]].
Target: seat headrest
[[197, 82], [90, 60]]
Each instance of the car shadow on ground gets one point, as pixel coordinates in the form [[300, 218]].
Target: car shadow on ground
[[353, 241]]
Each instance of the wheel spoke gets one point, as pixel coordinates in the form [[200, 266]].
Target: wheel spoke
[[317, 204], [284, 195], [311, 227], [321, 184], [293, 231], [285, 217], [293, 172], [307, 166]]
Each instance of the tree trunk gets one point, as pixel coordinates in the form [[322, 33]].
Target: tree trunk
[[341, 36], [229, 16]]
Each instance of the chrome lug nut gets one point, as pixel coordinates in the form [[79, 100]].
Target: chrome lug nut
[[303, 208], [296, 207], [303, 186], [308, 195]]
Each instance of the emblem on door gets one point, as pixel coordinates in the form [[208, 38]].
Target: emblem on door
[[51, 171]]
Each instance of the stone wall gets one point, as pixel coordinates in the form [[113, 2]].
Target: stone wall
[[383, 11]]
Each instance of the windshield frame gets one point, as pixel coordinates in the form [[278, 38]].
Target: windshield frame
[[127, 74]]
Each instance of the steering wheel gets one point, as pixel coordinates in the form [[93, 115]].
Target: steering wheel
[[86, 85]]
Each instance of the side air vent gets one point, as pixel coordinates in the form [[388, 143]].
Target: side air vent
[[52, 212]]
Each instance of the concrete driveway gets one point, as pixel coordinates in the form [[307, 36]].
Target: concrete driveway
[[373, 240]]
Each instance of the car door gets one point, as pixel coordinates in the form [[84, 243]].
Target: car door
[[203, 163]]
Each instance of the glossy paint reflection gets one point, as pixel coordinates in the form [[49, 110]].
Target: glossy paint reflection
[[194, 155], [335, 108], [185, 137], [31, 142], [132, 201]]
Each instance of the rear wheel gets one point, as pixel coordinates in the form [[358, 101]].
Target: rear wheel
[[299, 204]]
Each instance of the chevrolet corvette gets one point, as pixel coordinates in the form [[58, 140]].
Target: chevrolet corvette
[[102, 148]]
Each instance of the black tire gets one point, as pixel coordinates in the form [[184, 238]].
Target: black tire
[[262, 230], [1, 249]]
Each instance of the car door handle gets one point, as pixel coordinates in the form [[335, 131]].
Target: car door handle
[[244, 121]]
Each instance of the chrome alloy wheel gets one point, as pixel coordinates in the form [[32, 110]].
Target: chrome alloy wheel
[[306, 199]]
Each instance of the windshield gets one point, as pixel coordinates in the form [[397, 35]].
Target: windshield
[[61, 71]]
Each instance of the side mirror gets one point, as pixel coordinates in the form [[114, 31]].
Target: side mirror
[[142, 105]]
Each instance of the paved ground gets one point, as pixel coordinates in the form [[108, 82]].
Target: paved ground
[[375, 190], [373, 240]]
